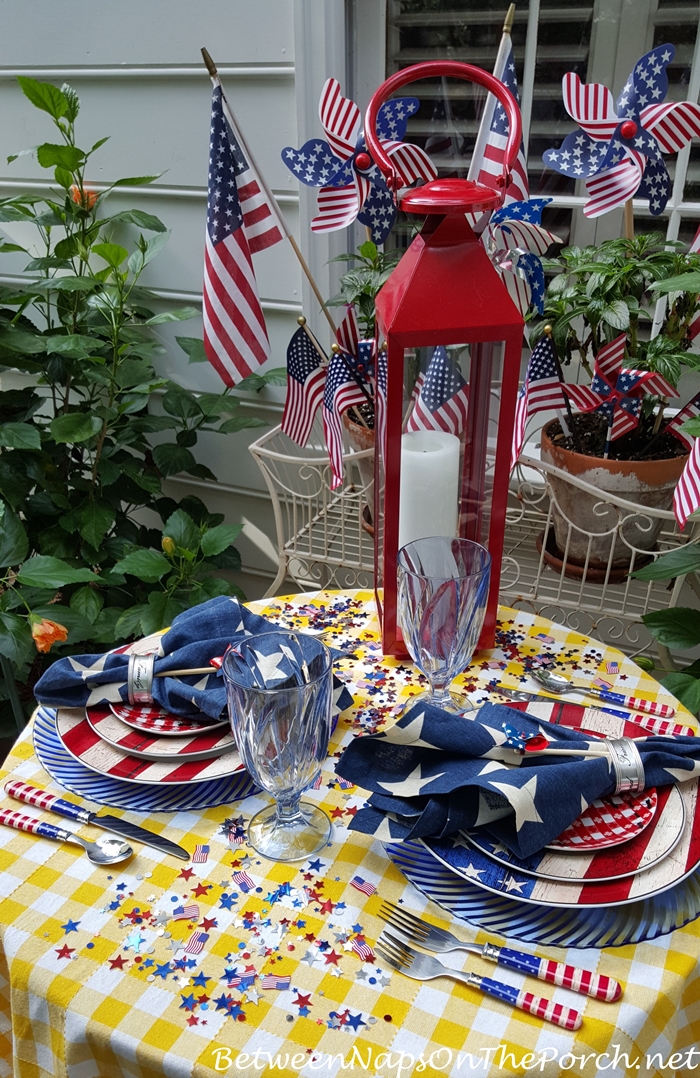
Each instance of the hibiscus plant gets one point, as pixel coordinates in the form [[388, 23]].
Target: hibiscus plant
[[85, 446]]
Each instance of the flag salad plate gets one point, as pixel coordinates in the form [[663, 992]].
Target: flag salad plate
[[154, 720], [203, 745], [87, 747], [106, 790]]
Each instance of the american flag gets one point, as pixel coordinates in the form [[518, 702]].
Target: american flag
[[443, 397], [487, 160], [691, 410], [270, 980], [348, 332], [612, 668], [195, 944], [306, 379], [341, 392], [243, 880], [186, 913], [363, 885], [694, 327], [686, 498], [363, 949], [200, 855], [240, 221], [542, 390]]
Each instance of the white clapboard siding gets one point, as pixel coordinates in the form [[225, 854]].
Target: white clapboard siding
[[137, 68]]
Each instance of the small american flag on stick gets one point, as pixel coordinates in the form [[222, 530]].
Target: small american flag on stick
[[306, 380], [341, 392], [541, 391], [240, 221], [443, 397]]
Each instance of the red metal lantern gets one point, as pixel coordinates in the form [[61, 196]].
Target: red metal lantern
[[445, 291]]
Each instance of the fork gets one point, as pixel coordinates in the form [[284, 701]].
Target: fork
[[439, 941], [423, 968]]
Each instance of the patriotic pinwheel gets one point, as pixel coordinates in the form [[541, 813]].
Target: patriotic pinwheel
[[352, 187], [616, 391], [618, 149], [514, 239]]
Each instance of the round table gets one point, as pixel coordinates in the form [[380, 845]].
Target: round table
[[81, 1003]]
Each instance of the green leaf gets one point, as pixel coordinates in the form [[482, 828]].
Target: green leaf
[[617, 314], [75, 427], [79, 627], [215, 540], [129, 623], [139, 258], [685, 688], [45, 96], [147, 565], [42, 571], [181, 315], [240, 422], [75, 345], [88, 602], [69, 284], [194, 348], [50, 155], [678, 627], [14, 544], [95, 520], [678, 562], [685, 282], [16, 642], [19, 436], [170, 459], [135, 181], [140, 218], [9, 212], [181, 402], [73, 100], [18, 339], [692, 426], [181, 528], [112, 253], [105, 625], [162, 609]]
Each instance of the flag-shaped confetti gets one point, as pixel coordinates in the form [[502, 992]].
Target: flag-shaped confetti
[[186, 913], [243, 880], [344, 784], [317, 783], [545, 638], [363, 949], [272, 981], [363, 885], [200, 854], [612, 668], [195, 944]]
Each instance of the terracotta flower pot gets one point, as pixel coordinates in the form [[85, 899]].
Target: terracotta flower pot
[[644, 482]]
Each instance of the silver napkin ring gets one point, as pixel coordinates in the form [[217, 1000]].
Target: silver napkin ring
[[140, 678], [627, 764]]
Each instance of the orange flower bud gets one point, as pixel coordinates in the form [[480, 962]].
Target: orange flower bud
[[47, 632], [168, 544], [86, 198]]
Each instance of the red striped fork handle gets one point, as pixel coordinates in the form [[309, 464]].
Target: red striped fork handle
[[559, 973], [524, 1001]]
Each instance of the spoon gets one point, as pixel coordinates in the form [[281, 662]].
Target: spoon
[[106, 850], [560, 686]]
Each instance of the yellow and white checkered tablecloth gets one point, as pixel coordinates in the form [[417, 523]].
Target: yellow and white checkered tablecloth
[[91, 985]]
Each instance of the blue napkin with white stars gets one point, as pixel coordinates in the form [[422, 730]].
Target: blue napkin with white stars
[[433, 774], [195, 638]]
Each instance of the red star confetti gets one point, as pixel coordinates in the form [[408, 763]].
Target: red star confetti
[[64, 952], [332, 958], [118, 962], [186, 874], [200, 889]]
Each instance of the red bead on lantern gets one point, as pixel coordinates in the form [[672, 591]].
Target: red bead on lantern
[[444, 291]]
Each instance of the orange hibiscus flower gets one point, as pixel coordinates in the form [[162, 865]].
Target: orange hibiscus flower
[[47, 632]]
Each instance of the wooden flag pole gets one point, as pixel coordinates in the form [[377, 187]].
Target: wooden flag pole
[[629, 220], [211, 68]]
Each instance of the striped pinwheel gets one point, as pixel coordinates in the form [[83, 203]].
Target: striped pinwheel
[[352, 187], [616, 391], [514, 240], [618, 150]]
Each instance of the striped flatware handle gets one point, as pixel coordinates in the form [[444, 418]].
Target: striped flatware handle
[[663, 727], [30, 823], [559, 973], [651, 707], [33, 795], [524, 1001]]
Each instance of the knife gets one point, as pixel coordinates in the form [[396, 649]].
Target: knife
[[526, 694], [33, 795]]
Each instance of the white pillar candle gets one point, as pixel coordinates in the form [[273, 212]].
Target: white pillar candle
[[429, 485]]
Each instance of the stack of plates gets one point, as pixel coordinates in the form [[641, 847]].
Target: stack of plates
[[623, 872], [140, 758]]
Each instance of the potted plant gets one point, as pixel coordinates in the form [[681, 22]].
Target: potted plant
[[82, 558], [597, 294]]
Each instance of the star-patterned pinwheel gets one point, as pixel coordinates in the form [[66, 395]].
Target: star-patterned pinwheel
[[616, 392], [351, 185], [618, 151], [514, 240]]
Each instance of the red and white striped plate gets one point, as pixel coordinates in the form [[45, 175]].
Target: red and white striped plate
[[154, 720], [610, 821], [146, 746], [88, 748]]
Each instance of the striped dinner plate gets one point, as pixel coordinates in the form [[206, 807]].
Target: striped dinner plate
[[202, 746], [582, 927], [105, 790]]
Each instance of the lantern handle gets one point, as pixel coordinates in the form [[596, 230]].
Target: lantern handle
[[454, 69]]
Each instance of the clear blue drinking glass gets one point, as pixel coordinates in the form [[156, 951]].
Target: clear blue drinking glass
[[443, 588], [282, 733]]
